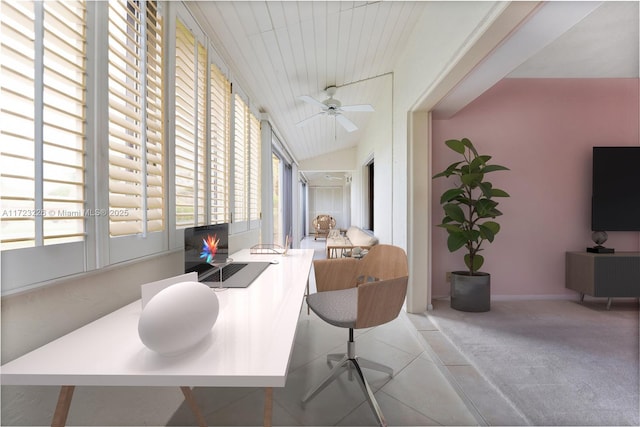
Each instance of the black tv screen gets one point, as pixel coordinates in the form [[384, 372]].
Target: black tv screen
[[615, 201]]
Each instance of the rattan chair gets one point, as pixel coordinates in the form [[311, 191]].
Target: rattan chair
[[322, 224]]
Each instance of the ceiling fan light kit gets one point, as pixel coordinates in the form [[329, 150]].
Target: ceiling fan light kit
[[333, 107]]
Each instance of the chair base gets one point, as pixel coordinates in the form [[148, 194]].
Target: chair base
[[365, 363], [350, 362]]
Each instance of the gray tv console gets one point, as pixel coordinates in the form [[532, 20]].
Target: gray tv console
[[603, 275]]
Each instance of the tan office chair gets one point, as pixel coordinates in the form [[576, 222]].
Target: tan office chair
[[358, 294], [322, 224]]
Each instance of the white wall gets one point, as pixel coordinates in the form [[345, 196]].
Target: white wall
[[337, 161], [377, 144], [32, 319], [326, 201], [342, 160], [444, 33]]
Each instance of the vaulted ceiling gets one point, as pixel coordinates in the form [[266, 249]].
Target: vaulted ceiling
[[281, 50]]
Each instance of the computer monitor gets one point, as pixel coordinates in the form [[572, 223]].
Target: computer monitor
[[205, 247]]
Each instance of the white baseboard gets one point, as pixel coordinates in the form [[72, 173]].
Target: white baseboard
[[567, 297]]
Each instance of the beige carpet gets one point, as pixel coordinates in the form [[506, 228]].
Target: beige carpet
[[559, 362]]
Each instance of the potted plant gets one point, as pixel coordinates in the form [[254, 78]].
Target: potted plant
[[469, 209]]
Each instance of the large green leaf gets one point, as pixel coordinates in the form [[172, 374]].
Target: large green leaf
[[467, 143], [451, 194], [456, 145], [450, 170], [451, 228], [471, 235], [454, 212], [492, 225], [488, 230], [493, 213], [455, 241], [478, 162], [484, 207], [478, 260], [472, 179], [486, 187], [496, 192], [493, 168]]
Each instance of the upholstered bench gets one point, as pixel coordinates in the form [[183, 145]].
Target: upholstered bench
[[354, 237]]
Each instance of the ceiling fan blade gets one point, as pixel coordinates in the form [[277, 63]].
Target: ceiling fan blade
[[303, 121], [310, 100], [365, 108], [346, 123]]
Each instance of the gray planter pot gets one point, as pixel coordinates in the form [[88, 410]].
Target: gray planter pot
[[470, 293]]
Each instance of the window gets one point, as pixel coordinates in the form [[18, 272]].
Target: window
[[136, 118], [254, 168], [220, 141], [58, 126], [277, 199], [240, 159], [246, 164], [43, 123], [190, 139]]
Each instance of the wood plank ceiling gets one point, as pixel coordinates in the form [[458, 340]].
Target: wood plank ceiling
[[282, 50]]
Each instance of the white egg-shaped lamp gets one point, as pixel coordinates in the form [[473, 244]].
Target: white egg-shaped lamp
[[178, 317]]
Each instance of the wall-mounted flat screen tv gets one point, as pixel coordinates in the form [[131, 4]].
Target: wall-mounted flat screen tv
[[615, 201]]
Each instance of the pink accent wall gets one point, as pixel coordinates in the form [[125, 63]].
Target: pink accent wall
[[544, 131]]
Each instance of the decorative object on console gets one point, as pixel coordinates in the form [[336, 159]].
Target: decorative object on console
[[178, 317], [599, 237], [467, 207]]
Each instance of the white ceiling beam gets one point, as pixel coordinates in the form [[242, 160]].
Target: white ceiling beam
[[549, 22]]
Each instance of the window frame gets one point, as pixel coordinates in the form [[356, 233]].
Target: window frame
[[246, 224], [53, 260], [124, 248]]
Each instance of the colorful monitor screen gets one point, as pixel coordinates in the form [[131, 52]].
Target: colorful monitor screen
[[205, 247]]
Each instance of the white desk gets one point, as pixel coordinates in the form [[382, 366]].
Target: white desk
[[249, 345]]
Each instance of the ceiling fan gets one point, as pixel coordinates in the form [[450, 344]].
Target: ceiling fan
[[333, 107], [332, 178]]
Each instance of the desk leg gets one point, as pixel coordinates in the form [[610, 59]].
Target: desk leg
[[191, 401], [268, 406], [306, 295], [62, 408]]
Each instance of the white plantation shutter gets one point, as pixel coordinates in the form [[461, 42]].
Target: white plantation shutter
[[155, 121], [220, 142], [190, 139], [254, 167], [246, 164], [43, 88], [240, 159], [136, 172], [201, 138]]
